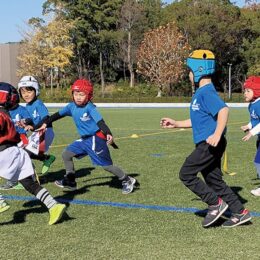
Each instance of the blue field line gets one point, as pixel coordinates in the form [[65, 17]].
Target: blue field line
[[121, 205]]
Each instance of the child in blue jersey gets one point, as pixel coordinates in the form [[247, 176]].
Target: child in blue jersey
[[94, 137], [29, 90], [252, 95], [208, 119]]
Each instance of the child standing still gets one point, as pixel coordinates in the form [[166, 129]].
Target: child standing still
[[252, 95], [95, 136], [29, 90], [208, 119], [16, 164]]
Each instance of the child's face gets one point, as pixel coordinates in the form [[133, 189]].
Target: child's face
[[27, 94], [79, 98], [248, 94]]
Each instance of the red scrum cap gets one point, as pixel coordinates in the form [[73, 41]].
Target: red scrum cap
[[253, 83], [85, 86]]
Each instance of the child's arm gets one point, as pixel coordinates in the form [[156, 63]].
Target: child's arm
[[107, 132], [213, 140], [44, 124], [247, 127], [254, 131], [171, 123]]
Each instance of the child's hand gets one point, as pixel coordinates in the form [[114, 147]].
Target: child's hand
[[213, 140], [168, 123], [28, 127], [247, 137], [244, 128], [43, 127], [110, 139], [21, 124]]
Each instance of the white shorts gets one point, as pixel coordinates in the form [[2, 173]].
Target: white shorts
[[15, 164]]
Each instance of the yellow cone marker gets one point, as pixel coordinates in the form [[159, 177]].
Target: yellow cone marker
[[134, 136]]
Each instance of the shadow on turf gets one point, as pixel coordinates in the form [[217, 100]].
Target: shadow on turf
[[20, 216], [112, 181]]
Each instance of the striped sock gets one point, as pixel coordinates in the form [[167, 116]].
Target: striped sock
[[44, 196]]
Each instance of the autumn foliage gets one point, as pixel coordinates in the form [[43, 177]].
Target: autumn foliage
[[161, 55]]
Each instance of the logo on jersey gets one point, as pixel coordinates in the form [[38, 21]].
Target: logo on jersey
[[35, 114], [85, 117], [17, 118], [195, 106], [254, 115]]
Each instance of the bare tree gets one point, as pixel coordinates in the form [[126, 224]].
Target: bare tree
[[161, 56]]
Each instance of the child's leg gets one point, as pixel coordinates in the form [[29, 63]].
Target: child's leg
[[56, 210], [127, 181], [4, 206], [257, 166], [69, 181], [257, 160]]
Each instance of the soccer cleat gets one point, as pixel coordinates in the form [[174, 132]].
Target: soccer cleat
[[4, 206], [56, 213], [214, 213], [237, 219], [11, 185], [66, 185], [128, 185], [256, 192], [47, 164]]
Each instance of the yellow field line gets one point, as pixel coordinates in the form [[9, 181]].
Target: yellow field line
[[143, 135], [128, 137]]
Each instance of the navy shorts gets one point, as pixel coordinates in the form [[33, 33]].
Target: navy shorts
[[94, 147]]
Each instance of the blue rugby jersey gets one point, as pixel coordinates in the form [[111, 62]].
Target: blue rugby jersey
[[18, 114], [85, 118], [37, 111], [254, 111], [204, 109]]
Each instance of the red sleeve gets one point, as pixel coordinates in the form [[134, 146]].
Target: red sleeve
[[2, 123]]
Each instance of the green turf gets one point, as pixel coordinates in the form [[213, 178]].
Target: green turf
[[103, 232]]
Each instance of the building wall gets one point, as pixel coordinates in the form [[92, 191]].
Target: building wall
[[9, 63]]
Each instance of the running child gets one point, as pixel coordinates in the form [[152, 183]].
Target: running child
[[95, 136], [29, 90], [252, 95], [208, 119], [16, 164]]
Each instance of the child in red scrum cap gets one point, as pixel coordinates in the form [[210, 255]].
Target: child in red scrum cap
[[252, 95]]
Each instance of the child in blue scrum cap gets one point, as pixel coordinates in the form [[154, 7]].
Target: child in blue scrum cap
[[208, 119]]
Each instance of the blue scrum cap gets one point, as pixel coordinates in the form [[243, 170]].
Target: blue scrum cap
[[201, 63]]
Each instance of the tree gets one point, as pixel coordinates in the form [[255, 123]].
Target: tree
[[46, 47], [216, 25], [131, 19], [161, 56]]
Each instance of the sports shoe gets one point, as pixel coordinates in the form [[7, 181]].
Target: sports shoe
[[214, 212], [56, 212], [128, 185], [11, 185], [47, 164], [67, 185], [4, 206], [256, 192], [237, 219]]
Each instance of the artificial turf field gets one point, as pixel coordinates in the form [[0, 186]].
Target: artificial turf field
[[161, 219]]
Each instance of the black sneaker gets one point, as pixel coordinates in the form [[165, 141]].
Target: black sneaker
[[237, 219], [128, 185], [214, 212], [66, 185]]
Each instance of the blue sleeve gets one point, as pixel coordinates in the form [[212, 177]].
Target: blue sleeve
[[213, 103], [94, 113], [66, 111], [42, 110]]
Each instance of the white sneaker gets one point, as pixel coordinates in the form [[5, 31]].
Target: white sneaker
[[256, 192]]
